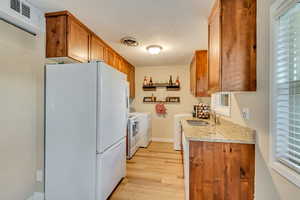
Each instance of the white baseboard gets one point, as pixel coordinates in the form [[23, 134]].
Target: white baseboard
[[169, 140], [37, 196]]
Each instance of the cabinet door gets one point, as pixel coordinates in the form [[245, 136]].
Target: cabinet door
[[118, 63], [131, 77], [214, 77], [201, 74], [221, 171], [56, 36], [78, 41], [97, 49], [193, 76], [238, 45], [111, 58]]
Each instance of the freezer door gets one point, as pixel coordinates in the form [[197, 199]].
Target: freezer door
[[70, 131], [112, 107], [111, 168]]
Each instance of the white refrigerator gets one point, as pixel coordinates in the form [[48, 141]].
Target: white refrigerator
[[86, 108]]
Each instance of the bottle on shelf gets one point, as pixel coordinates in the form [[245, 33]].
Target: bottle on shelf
[[151, 82], [177, 83], [145, 81], [170, 81], [153, 98]]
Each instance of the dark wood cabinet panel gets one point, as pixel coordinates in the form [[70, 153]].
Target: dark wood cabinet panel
[[232, 46], [199, 74], [56, 36], [221, 171]]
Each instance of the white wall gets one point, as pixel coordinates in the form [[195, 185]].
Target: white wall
[[269, 184], [21, 119], [162, 127]]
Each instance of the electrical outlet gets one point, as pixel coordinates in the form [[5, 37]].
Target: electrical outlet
[[39, 175], [246, 113]]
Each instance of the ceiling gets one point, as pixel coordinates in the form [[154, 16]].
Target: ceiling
[[179, 26]]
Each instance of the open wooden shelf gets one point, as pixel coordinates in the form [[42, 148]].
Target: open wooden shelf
[[156, 85], [165, 101], [160, 102]]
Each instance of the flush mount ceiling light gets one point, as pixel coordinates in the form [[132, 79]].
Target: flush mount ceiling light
[[154, 49]]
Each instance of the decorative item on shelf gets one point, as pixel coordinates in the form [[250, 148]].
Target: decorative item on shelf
[[201, 111], [145, 83], [173, 99], [177, 83], [150, 82], [153, 98], [160, 109]]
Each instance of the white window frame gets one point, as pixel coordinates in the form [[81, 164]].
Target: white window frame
[[218, 107], [277, 9]]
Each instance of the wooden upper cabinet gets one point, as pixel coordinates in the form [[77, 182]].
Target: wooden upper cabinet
[[131, 79], [56, 36], [68, 40], [97, 49], [66, 37], [78, 41], [214, 48], [199, 74], [232, 46], [111, 58]]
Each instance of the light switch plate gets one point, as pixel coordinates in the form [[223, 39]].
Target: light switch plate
[[39, 175], [246, 113]]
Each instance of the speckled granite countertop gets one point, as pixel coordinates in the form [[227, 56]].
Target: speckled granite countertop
[[225, 131]]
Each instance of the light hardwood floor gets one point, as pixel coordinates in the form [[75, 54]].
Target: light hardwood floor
[[154, 173]]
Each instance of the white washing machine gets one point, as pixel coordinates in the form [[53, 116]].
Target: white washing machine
[[145, 128]]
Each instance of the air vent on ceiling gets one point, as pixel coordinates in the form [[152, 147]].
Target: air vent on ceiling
[[15, 5], [129, 41], [23, 15], [25, 10]]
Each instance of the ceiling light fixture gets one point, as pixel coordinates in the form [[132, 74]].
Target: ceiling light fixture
[[154, 49]]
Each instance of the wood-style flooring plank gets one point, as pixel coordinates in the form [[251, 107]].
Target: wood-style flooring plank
[[154, 173]]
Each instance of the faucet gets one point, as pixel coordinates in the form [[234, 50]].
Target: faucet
[[214, 117]]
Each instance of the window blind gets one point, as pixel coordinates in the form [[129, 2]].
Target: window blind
[[287, 86]]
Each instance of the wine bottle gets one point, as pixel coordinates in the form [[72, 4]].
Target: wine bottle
[[145, 81], [170, 81], [177, 81]]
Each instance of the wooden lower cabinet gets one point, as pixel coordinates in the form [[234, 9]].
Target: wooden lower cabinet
[[221, 171]]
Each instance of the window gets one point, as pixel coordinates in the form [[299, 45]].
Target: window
[[285, 89], [220, 103]]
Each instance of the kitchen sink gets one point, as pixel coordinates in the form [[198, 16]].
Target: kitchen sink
[[197, 122]]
